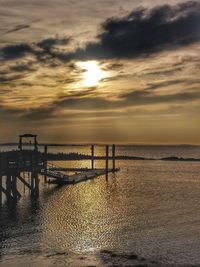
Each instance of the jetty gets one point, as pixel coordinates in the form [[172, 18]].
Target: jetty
[[27, 166], [84, 175]]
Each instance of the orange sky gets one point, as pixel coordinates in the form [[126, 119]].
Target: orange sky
[[113, 72]]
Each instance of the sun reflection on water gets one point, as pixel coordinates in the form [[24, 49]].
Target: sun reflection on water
[[74, 219]]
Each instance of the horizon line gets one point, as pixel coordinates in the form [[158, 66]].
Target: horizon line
[[102, 144]]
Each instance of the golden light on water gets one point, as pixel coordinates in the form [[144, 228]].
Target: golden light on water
[[92, 73]]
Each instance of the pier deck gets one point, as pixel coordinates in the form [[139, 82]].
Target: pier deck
[[87, 174], [24, 166]]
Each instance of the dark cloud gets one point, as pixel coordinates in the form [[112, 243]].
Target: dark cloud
[[22, 67], [42, 50], [49, 48], [142, 32], [48, 43], [15, 51], [145, 31]]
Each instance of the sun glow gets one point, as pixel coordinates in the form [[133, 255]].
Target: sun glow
[[92, 73]]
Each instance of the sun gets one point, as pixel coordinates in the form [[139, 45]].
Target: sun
[[92, 73]]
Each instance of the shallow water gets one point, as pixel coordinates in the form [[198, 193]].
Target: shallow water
[[149, 208]]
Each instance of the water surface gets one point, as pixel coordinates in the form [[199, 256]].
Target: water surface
[[149, 208]]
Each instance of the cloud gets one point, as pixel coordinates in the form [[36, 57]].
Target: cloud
[[142, 32], [145, 31], [145, 97], [15, 51], [44, 48], [91, 103], [48, 43], [18, 28], [164, 84], [165, 72], [10, 77], [19, 67]]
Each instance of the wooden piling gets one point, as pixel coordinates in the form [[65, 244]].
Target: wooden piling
[[32, 184], [107, 157], [36, 188], [29, 180], [92, 156], [107, 162], [45, 161], [8, 187], [15, 193], [1, 163], [113, 157], [23, 175], [0, 190]]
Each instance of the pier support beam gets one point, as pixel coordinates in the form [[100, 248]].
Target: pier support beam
[[14, 187], [8, 187], [0, 190], [92, 156], [113, 157], [34, 184], [107, 156], [45, 162], [107, 160], [25, 183]]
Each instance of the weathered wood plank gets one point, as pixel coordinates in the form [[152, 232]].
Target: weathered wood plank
[[61, 178]]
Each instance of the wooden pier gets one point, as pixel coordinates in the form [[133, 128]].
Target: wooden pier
[[25, 166], [62, 179]]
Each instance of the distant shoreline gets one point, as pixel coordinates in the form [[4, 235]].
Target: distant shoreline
[[58, 157], [103, 144]]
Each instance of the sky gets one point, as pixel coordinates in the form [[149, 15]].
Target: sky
[[100, 71]]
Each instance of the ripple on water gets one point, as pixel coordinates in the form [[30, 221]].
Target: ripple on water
[[148, 208]]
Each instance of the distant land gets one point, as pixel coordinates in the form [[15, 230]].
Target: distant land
[[60, 156], [100, 144]]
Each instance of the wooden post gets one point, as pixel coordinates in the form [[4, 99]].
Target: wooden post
[[92, 156], [0, 189], [36, 189], [35, 143], [32, 184], [107, 157], [32, 161], [29, 180], [24, 177], [8, 187], [20, 143], [14, 187], [113, 157], [107, 161], [1, 164], [45, 162]]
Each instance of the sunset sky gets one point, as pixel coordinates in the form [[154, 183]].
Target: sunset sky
[[100, 71]]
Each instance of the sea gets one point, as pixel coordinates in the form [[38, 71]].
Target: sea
[[147, 214]]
